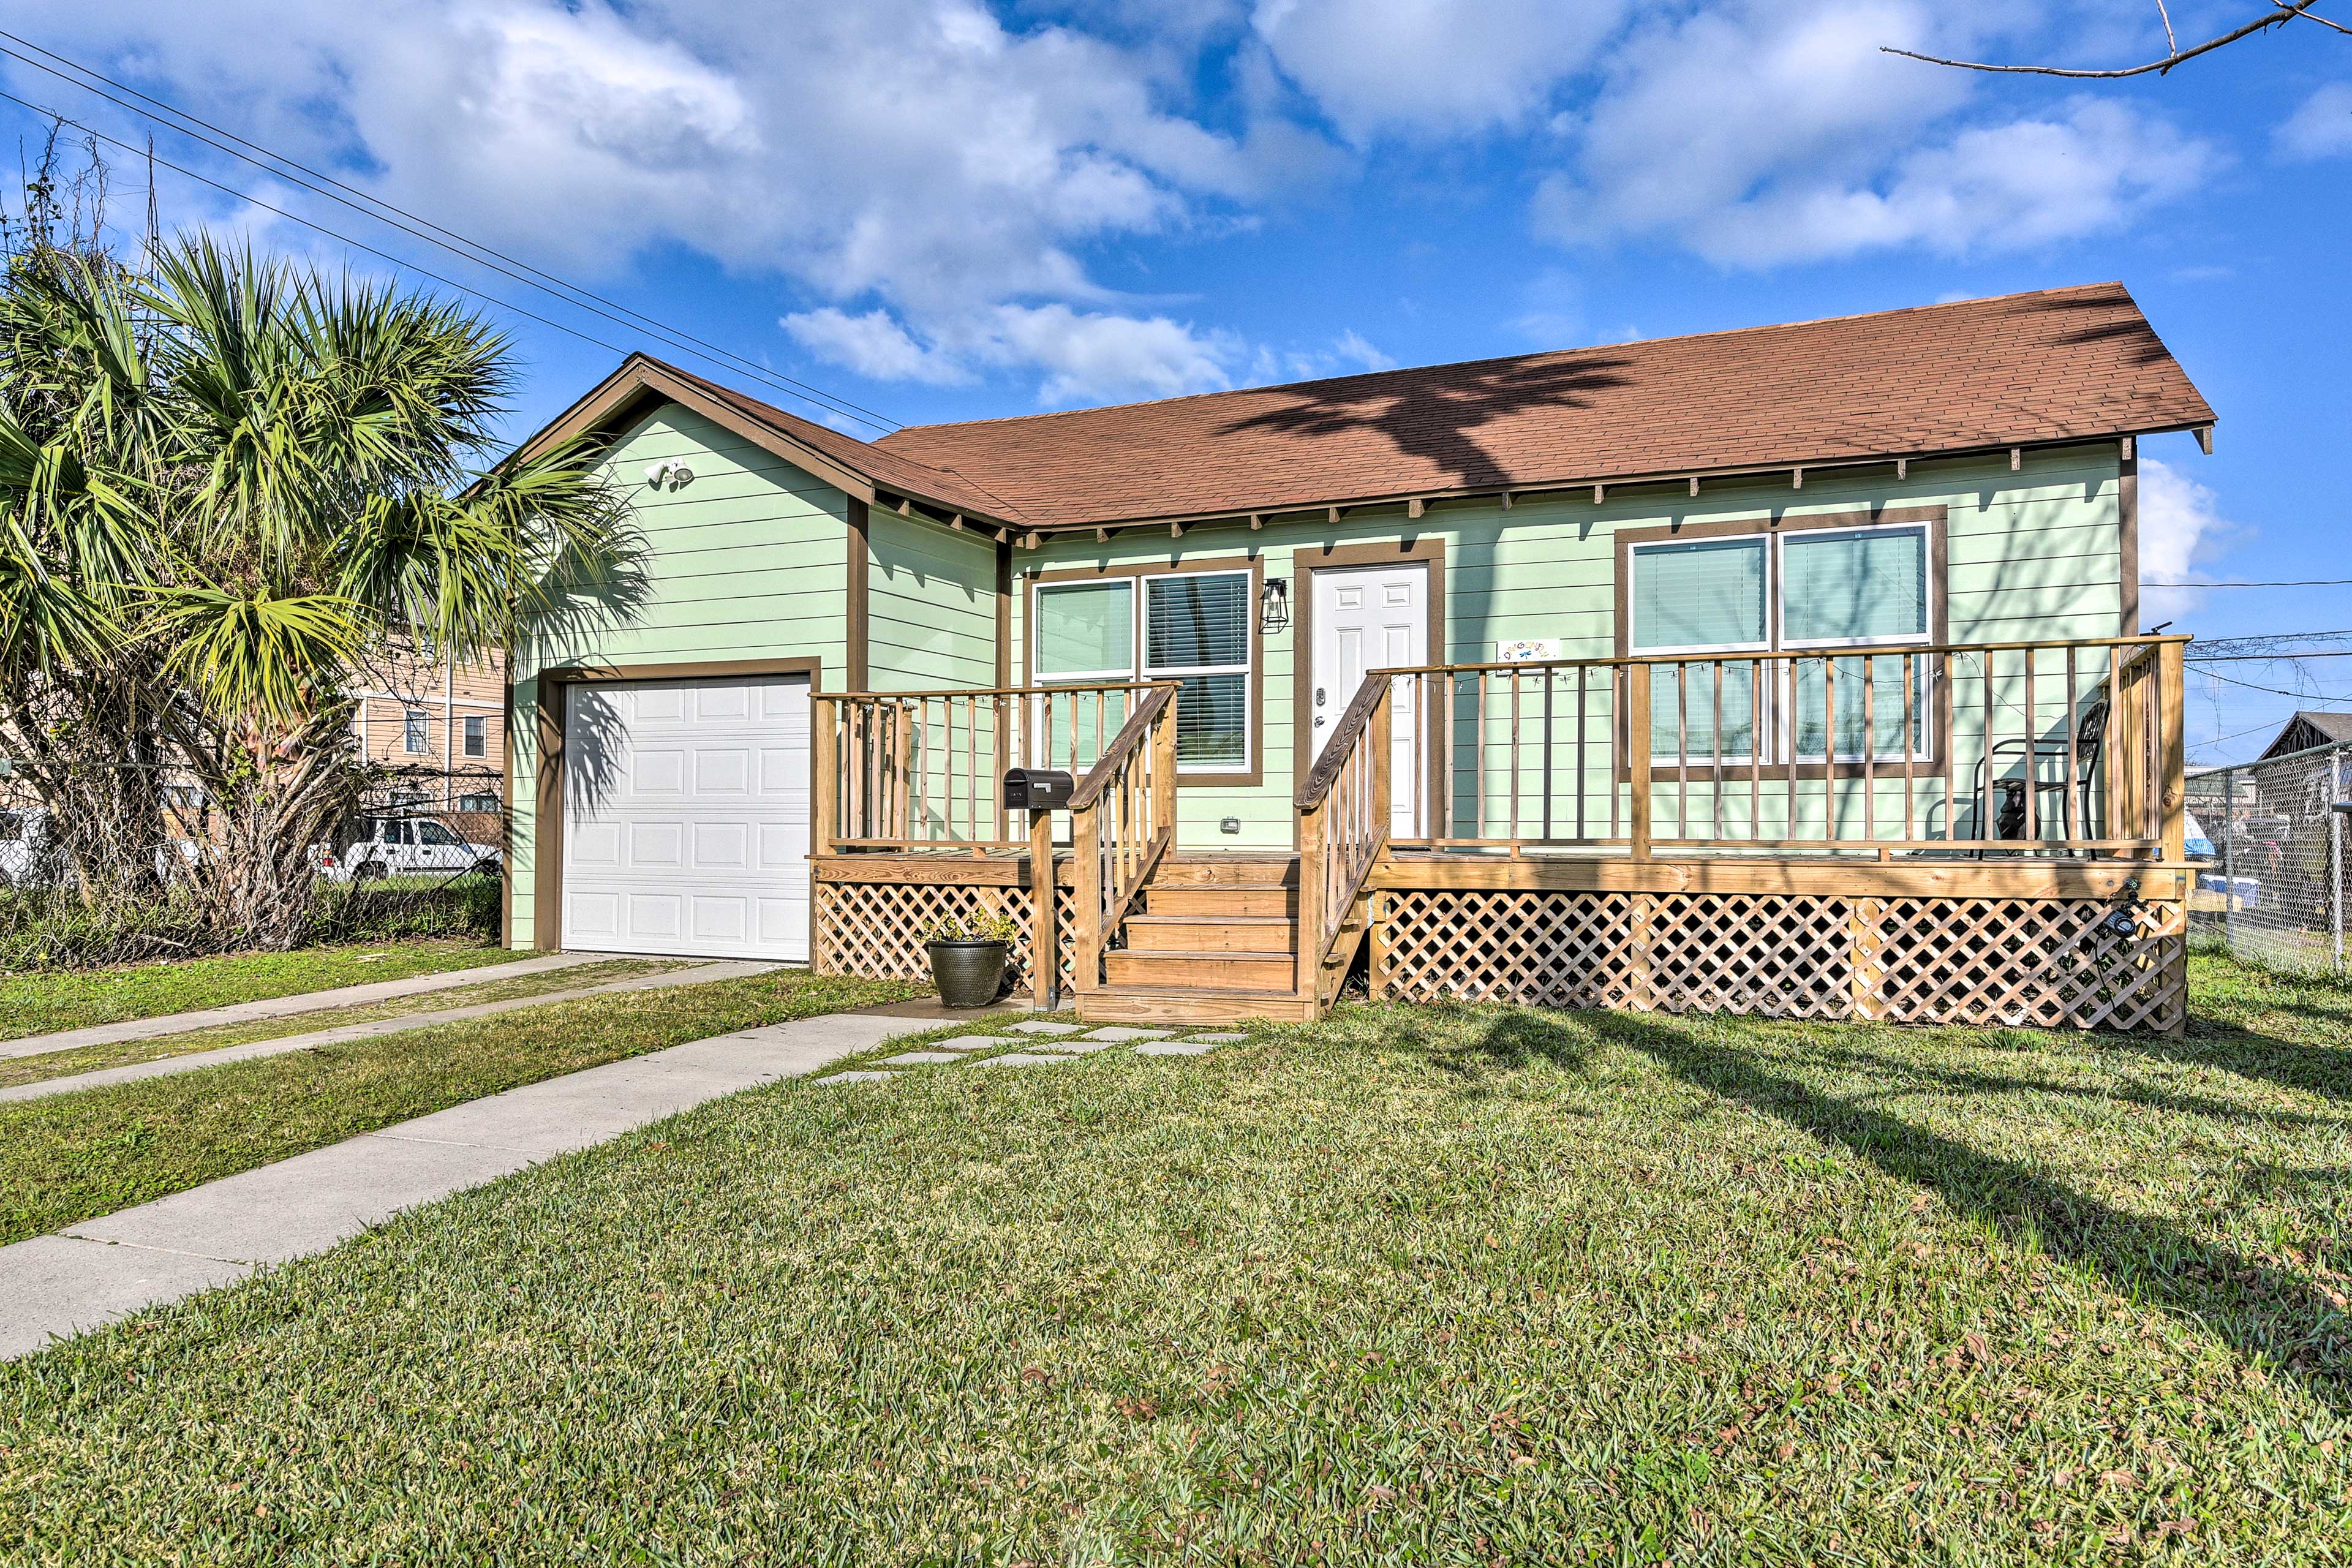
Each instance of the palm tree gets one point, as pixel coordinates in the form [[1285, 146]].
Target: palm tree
[[223, 487]]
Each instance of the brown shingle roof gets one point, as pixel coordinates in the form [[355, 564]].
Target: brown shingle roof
[[2063, 363]]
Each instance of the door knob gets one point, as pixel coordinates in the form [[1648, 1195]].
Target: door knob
[[1319, 697]]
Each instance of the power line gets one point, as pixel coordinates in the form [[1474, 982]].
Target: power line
[[2274, 690], [2290, 582], [467, 250], [2265, 658]]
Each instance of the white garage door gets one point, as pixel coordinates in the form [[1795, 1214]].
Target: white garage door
[[685, 817]]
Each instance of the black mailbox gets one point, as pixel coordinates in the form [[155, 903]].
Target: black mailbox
[[1037, 789]]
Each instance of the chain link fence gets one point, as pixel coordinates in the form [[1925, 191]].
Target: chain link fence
[[2273, 890]]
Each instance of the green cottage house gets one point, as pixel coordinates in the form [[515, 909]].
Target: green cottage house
[[1795, 670]]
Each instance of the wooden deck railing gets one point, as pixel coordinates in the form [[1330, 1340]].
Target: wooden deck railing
[[922, 770], [1122, 820], [1343, 825], [2069, 748]]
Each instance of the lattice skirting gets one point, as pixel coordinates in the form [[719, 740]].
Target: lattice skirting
[[874, 930], [2051, 963]]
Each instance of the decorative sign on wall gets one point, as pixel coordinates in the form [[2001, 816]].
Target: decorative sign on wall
[[1527, 651]]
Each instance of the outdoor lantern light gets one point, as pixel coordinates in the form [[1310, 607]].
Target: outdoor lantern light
[[1274, 605]]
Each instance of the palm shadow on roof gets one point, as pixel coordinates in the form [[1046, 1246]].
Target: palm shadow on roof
[[2136, 341], [1431, 413]]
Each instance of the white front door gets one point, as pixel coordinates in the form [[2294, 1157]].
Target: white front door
[[685, 817], [1367, 618]]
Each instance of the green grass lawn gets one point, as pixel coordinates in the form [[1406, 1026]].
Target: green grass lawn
[[91, 1152], [1450, 1286], [92, 1059], [74, 999]]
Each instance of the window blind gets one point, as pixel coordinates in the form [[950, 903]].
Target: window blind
[[1843, 587], [1086, 628], [1705, 594]]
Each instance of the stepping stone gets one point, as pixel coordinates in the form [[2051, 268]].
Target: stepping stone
[[968, 1043], [1023, 1059], [1077, 1048], [1217, 1039], [1176, 1049], [854, 1077], [919, 1059], [1118, 1032], [1041, 1027]]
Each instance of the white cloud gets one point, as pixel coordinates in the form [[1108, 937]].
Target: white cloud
[[1083, 356], [917, 156], [1353, 349], [874, 345], [2321, 128], [1763, 134], [2180, 524], [1432, 68]]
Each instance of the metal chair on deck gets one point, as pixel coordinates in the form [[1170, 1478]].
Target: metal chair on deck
[[2070, 799]]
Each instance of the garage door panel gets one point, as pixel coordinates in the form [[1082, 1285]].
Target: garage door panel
[[595, 845], [698, 842], [656, 774], [723, 845], [726, 772]]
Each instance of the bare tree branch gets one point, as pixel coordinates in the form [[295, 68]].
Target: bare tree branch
[[2281, 11]]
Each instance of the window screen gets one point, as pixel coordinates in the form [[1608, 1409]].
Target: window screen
[[1197, 631], [477, 742], [1854, 587], [1705, 594], [411, 731], [1085, 629]]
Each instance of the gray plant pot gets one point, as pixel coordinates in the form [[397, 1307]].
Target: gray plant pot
[[969, 973]]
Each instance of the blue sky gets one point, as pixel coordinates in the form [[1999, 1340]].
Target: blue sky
[[940, 210]]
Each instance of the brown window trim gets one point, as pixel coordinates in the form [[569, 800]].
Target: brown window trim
[[1939, 569], [1254, 565], [1307, 560], [546, 807]]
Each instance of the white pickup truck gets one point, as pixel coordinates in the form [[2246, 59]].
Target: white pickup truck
[[404, 847]]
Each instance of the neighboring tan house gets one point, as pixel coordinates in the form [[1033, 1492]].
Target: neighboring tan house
[[440, 732], [1794, 669], [2307, 729]]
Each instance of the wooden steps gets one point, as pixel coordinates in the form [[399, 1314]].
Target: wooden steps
[[1215, 939]]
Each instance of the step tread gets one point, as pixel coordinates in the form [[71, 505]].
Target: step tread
[[1204, 955], [1214, 920]]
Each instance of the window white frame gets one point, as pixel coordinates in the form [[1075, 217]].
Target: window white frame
[[1760, 723], [1779, 694], [415, 731], [1138, 586], [1247, 669], [476, 735]]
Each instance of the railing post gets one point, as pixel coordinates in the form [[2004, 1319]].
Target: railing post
[[1163, 771], [1381, 740], [1086, 854], [1311, 851], [1637, 756], [824, 776], [2172, 750], [1045, 955]]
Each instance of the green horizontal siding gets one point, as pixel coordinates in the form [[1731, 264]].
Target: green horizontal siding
[[2033, 554], [748, 561]]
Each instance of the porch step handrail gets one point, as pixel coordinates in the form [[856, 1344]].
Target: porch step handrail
[[1343, 826], [1122, 820]]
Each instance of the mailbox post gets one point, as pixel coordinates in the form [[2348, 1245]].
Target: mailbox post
[[1040, 791]]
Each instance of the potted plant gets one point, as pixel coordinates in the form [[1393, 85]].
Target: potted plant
[[968, 956]]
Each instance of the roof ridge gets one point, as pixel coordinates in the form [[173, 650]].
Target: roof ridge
[[1498, 359]]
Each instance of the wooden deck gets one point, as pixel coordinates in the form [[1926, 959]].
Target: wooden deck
[[2068, 913]]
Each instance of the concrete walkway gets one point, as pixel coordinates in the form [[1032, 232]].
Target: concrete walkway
[[90, 1273], [693, 973], [286, 1007]]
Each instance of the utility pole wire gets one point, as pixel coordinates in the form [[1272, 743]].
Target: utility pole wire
[[2282, 12]]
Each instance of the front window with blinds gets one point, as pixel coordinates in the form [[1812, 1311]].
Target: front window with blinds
[[1197, 633], [1802, 589], [1191, 627]]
